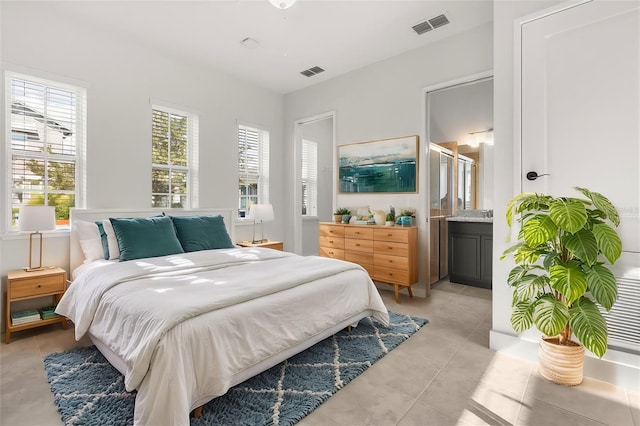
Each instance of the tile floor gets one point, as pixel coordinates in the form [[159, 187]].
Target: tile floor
[[443, 375]]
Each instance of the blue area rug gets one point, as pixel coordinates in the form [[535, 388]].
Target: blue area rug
[[89, 391]]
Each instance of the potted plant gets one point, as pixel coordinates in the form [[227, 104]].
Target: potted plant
[[561, 277], [340, 213], [406, 217], [390, 219]]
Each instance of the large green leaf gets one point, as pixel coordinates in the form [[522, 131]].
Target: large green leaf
[[538, 230], [568, 213], [603, 204], [569, 280], [602, 285], [589, 326], [550, 315], [522, 317], [526, 255], [511, 250], [582, 245], [608, 241], [529, 287]]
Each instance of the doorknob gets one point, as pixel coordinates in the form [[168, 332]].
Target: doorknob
[[533, 175]]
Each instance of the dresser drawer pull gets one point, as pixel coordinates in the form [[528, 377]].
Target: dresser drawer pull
[[389, 235], [39, 285], [390, 248], [331, 252], [331, 241], [357, 245]]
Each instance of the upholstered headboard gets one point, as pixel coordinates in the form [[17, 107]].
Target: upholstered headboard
[[76, 256]]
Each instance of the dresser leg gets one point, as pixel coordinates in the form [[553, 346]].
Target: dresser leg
[[410, 292], [396, 289]]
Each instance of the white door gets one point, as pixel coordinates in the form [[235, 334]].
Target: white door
[[580, 125], [580, 106]]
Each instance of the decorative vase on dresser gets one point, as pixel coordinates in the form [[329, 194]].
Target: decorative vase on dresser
[[389, 255]]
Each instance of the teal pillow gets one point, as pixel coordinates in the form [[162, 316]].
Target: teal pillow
[[201, 232], [145, 237], [103, 239]]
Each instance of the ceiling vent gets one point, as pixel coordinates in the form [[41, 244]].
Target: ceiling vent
[[312, 71], [431, 24]]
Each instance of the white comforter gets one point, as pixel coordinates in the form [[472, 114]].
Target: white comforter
[[187, 326]]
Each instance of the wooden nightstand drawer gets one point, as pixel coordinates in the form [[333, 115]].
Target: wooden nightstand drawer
[[23, 285], [36, 286]]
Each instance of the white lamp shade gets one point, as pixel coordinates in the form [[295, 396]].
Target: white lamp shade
[[263, 212], [282, 4], [37, 218]]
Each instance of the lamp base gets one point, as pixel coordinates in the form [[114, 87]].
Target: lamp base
[[34, 269], [258, 241]]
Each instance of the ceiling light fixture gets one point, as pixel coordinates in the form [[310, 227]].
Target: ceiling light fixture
[[282, 4]]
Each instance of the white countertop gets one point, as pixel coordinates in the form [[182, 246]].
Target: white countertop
[[470, 219]]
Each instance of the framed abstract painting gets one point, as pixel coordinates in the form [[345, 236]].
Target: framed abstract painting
[[388, 165]]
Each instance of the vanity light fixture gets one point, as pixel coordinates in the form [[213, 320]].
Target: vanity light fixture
[[481, 136], [282, 4]]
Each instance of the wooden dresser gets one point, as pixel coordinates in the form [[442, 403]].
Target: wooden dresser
[[388, 253]]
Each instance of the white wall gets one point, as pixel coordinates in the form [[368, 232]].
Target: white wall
[[120, 78], [385, 100]]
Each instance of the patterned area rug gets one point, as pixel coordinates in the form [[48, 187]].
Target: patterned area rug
[[89, 391]]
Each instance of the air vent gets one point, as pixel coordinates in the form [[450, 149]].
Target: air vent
[[438, 21], [430, 24], [422, 27], [312, 71]]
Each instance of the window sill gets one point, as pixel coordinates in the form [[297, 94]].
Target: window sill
[[61, 233]]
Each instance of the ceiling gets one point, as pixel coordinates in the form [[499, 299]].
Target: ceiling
[[338, 36]]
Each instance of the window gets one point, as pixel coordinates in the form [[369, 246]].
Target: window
[[47, 122], [253, 168], [174, 136], [309, 178]]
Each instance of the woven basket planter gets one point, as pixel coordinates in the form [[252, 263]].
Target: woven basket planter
[[562, 364]]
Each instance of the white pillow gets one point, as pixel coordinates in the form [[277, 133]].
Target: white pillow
[[90, 241], [112, 241]]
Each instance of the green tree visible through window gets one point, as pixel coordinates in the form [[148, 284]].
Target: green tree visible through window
[[170, 170], [46, 121]]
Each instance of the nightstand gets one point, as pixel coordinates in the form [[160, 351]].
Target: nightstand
[[22, 285], [276, 245]]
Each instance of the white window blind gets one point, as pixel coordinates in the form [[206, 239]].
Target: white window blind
[[253, 168], [309, 178], [47, 139], [174, 136]]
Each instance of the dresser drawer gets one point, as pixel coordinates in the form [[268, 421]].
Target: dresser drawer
[[392, 234], [359, 257], [331, 230], [391, 261], [362, 233], [335, 253], [358, 245], [391, 248], [391, 275], [332, 242], [30, 287]]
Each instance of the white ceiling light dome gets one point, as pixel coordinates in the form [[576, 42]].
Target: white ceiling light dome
[[282, 4]]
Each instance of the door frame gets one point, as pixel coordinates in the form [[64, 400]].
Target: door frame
[[297, 168], [426, 143]]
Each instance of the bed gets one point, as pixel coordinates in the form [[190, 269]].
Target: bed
[[185, 327]]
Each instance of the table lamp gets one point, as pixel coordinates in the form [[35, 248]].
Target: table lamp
[[36, 218], [263, 213]]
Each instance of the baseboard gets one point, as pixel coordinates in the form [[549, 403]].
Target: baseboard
[[616, 367]]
